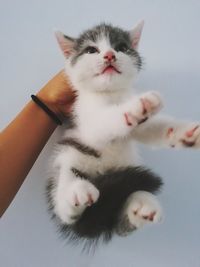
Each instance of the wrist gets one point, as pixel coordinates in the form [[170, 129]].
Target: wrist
[[46, 109], [57, 95], [50, 103]]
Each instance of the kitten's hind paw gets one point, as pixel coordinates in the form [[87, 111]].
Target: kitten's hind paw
[[82, 194], [143, 208]]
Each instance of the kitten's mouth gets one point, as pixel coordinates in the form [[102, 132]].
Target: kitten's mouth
[[110, 69]]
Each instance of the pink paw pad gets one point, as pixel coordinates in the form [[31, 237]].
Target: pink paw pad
[[90, 200], [150, 217], [146, 105], [191, 132], [130, 119], [169, 131]]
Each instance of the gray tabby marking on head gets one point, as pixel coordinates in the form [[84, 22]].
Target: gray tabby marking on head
[[116, 36]]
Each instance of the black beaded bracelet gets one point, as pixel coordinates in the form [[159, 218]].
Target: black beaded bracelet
[[46, 109]]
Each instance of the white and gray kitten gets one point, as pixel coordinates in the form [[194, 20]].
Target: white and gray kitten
[[98, 186]]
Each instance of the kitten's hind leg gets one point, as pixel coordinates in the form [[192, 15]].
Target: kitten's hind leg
[[72, 196], [141, 208]]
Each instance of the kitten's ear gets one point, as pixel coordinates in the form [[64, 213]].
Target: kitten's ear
[[66, 43], [135, 34]]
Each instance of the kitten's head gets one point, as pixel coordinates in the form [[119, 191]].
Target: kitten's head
[[104, 58]]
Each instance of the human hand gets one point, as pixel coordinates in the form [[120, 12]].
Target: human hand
[[58, 94]]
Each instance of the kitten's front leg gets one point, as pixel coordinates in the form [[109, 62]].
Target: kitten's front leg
[[187, 135], [118, 121], [168, 132]]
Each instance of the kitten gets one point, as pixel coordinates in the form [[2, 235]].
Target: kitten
[[99, 187]]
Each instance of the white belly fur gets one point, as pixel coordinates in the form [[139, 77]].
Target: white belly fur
[[115, 155]]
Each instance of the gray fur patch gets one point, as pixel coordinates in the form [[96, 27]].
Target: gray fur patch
[[79, 173], [124, 227], [115, 35], [80, 147]]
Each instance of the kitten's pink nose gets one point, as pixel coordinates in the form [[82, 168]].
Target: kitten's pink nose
[[110, 56]]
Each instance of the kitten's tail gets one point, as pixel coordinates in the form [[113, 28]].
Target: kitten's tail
[[99, 221]]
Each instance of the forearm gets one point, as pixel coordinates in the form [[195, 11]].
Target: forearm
[[168, 132], [20, 144], [23, 139], [154, 132]]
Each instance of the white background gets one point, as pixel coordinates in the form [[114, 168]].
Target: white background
[[29, 56]]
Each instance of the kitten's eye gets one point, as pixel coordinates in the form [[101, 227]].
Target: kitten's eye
[[121, 47], [91, 50]]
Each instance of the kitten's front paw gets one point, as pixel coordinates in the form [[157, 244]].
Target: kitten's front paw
[[188, 136], [143, 208], [82, 194], [147, 105], [151, 104]]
